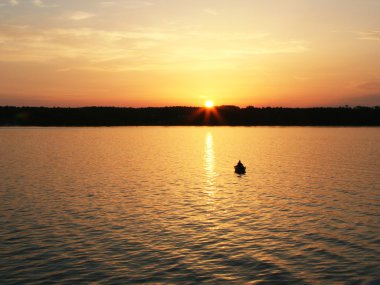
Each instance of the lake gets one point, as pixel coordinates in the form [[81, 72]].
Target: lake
[[163, 205]]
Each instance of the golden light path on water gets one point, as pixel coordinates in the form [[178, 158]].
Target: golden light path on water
[[209, 162]]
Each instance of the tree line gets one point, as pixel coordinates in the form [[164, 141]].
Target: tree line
[[189, 116]]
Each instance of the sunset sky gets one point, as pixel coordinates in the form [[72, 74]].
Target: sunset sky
[[184, 52]]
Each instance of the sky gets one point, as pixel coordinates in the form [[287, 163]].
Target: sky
[[138, 53]]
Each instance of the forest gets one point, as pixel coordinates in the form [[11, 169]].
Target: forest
[[189, 116]]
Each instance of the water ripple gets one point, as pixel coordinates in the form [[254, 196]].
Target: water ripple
[[162, 205]]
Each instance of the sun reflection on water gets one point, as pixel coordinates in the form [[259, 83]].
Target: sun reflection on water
[[209, 160]]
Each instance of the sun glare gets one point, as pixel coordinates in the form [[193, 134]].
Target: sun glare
[[209, 104]]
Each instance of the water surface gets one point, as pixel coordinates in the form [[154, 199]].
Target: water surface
[[162, 205]]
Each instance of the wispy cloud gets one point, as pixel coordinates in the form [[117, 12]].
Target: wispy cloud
[[371, 35], [79, 15], [301, 78], [107, 3], [136, 4], [13, 2], [369, 85], [38, 3], [210, 12], [42, 4], [363, 100], [138, 49]]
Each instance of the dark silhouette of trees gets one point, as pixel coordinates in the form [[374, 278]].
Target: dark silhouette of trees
[[170, 116]]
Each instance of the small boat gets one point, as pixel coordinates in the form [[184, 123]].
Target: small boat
[[240, 168]]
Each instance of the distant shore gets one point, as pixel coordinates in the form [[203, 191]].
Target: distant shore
[[189, 116]]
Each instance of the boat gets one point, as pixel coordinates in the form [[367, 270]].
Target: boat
[[240, 168]]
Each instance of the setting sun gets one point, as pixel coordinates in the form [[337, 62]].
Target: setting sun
[[209, 104]]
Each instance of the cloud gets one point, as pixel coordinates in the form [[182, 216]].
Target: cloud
[[79, 15], [13, 2], [301, 78], [38, 3], [107, 3], [210, 12], [42, 4], [364, 100], [137, 4], [371, 36], [369, 85], [139, 48], [15, 99]]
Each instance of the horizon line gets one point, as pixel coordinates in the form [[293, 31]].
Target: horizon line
[[183, 106]]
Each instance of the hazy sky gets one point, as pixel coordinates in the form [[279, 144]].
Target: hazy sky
[[182, 52]]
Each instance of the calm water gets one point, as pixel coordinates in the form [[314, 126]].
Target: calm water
[[162, 205]]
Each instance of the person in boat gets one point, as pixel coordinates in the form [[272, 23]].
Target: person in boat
[[239, 168]]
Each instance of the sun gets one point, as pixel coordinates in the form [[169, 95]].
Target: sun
[[209, 104]]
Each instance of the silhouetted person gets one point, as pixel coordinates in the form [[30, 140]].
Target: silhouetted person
[[240, 168]]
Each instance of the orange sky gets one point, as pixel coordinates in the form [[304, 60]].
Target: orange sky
[[181, 52]]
